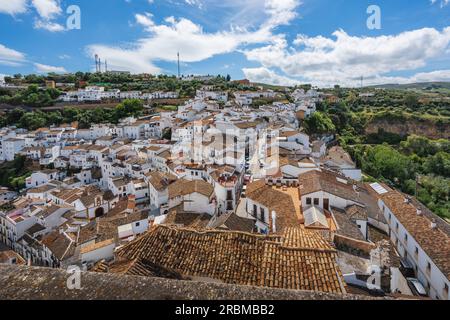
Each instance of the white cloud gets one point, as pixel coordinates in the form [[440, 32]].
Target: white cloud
[[193, 43], [48, 25], [47, 9], [281, 12], [264, 75], [145, 20], [443, 3], [10, 57], [13, 7], [43, 68], [346, 58], [196, 3]]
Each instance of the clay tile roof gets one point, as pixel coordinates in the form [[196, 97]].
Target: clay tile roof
[[178, 217], [96, 246], [300, 259], [233, 222], [285, 204], [435, 242], [159, 180], [5, 256], [346, 226], [184, 187], [60, 245], [313, 181]]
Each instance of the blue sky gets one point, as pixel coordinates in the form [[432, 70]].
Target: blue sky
[[323, 42]]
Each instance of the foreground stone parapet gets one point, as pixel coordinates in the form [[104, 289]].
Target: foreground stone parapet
[[29, 283]]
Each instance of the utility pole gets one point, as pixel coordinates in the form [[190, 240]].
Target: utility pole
[[96, 63]]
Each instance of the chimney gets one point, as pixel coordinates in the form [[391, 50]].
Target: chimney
[[29, 262], [274, 222], [433, 224], [419, 212]]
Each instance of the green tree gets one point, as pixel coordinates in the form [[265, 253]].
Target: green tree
[[319, 123], [411, 100], [33, 120], [438, 164]]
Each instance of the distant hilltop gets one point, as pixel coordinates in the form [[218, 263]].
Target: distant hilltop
[[418, 85]]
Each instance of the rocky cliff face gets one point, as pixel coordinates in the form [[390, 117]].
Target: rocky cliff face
[[427, 128]]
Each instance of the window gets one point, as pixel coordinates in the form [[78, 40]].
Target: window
[[406, 238], [263, 215], [416, 252], [316, 201], [255, 209], [308, 201], [428, 267], [396, 226], [138, 224], [445, 289]]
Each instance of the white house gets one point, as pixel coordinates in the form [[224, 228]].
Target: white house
[[39, 178], [7, 195], [421, 238], [325, 189], [194, 196], [11, 147]]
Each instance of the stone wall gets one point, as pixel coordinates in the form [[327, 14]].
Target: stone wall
[[352, 246], [29, 283]]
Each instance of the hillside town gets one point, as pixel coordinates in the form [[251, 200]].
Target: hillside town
[[217, 190]]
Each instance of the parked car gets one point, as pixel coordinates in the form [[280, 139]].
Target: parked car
[[416, 287]]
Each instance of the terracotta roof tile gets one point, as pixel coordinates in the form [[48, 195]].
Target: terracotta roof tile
[[299, 260], [435, 242]]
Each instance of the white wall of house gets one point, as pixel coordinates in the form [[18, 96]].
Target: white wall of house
[[133, 229], [158, 198], [260, 212], [12, 147], [432, 278], [196, 202], [106, 252], [335, 201], [40, 178]]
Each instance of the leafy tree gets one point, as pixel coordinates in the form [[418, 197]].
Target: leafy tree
[[319, 123], [411, 101], [439, 164], [422, 146], [33, 120], [70, 114], [54, 118]]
